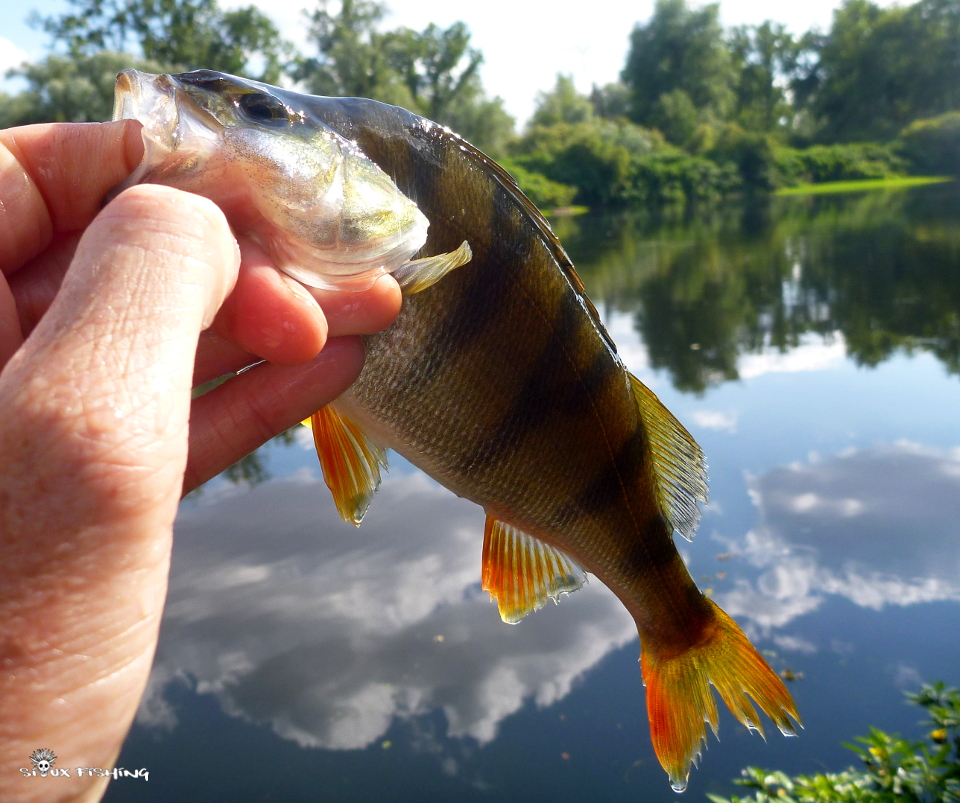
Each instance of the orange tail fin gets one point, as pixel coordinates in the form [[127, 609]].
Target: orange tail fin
[[680, 702]]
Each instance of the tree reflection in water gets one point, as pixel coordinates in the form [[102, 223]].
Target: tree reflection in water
[[878, 269]]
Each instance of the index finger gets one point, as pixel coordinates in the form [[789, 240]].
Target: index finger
[[53, 178]]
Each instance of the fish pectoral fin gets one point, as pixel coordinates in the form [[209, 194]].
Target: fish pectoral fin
[[679, 470], [521, 572], [419, 274], [350, 461]]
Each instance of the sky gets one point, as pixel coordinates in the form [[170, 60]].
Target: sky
[[524, 48]]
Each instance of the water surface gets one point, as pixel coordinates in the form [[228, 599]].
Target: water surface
[[812, 345]]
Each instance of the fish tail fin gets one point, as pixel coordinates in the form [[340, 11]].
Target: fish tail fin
[[680, 702]]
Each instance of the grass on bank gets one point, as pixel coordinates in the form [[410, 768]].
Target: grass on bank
[[894, 183]]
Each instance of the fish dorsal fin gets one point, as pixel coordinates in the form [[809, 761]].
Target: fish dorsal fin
[[350, 461], [679, 470], [522, 573], [418, 274]]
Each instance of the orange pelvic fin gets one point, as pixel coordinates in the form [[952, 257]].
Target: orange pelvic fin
[[522, 573], [350, 461], [680, 702], [419, 274]]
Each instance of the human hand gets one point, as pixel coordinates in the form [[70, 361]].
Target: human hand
[[108, 319]]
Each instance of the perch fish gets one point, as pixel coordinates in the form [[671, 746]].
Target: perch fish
[[497, 378]]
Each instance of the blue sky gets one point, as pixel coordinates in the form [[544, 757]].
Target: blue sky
[[524, 47]]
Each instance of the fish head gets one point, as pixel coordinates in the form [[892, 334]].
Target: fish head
[[327, 214]]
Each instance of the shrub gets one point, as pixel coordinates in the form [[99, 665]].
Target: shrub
[[676, 177], [592, 156], [895, 770], [544, 192], [932, 146], [750, 153], [842, 162]]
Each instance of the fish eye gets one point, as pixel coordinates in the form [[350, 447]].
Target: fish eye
[[263, 108]]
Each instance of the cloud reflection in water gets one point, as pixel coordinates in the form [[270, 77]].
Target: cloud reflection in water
[[328, 632], [878, 526]]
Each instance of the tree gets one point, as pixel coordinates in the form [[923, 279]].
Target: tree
[[881, 69], [436, 65], [178, 34], [611, 101], [766, 57], [353, 58], [441, 72], [433, 72], [679, 62], [563, 105]]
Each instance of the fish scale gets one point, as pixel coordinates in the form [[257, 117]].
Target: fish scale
[[497, 379]]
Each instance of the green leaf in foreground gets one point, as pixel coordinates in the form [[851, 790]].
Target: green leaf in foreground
[[894, 770]]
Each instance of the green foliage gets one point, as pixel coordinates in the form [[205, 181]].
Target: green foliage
[[611, 101], [436, 65], [894, 770], [750, 154], [595, 156], [820, 163], [680, 50], [674, 177], [763, 56], [676, 116], [563, 105], [179, 34], [433, 72], [353, 57], [544, 193], [881, 68], [933, 146]]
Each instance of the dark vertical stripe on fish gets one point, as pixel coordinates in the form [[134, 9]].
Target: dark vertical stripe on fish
[[618, 483]]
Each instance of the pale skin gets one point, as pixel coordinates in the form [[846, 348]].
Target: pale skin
[[108, 318]]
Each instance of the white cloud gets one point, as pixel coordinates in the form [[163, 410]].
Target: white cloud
[[10, 56], [328, 632], [813, 354], [878, 526], [714, 419], [795, 644]]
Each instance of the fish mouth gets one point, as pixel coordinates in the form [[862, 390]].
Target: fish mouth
[[165, 111]]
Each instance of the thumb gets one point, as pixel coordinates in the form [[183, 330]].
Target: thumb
[[103, 382]]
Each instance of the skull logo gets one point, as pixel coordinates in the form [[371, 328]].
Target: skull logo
[[43, 760]]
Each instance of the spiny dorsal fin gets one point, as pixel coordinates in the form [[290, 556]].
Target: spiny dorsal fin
[[679, 470], [418, 274], [350, 461], [522, 573]]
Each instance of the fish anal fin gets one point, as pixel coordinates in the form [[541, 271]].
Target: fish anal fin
[[351, 462], [679, 469], [521, 572], [419, 274], [680, 703]]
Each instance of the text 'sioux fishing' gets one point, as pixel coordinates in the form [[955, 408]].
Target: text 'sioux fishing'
[[497, 379]]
